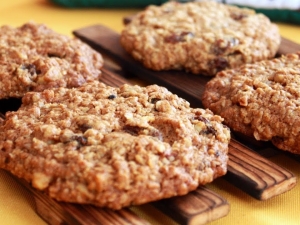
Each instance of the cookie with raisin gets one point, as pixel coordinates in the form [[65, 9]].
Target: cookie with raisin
[[260, 100], [33, 58], [113, 147], [199, 37]]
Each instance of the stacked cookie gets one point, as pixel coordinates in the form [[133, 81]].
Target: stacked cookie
[[82, 141]]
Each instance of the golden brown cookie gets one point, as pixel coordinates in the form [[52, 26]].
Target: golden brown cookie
[[33, 58], [260, 100], [200, 37], [113, 147]]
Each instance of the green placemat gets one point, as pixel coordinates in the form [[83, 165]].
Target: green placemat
[[108, 3], [276, 15]]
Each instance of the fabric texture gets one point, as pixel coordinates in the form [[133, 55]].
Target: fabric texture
[[267, 4], [107, 3], [281, 15], [279, 12]]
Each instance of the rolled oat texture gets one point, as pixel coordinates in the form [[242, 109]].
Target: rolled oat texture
[[199, 37], [113, 147], [33, 58], [260, 100]]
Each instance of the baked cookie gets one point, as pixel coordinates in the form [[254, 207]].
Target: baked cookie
[[34, 57], [113, 147], [260, 100], [199, 37]]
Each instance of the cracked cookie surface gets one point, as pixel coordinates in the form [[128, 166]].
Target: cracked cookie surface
[[260, 100], [33, 58], [199, 37], [113, 147]]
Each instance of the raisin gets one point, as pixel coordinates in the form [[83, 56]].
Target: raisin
[[84, 127], [219, 47], [81, 140], [209, 130], [277, 139], [220, 63], [3, 149], [175, 38], [201, 118], [172, 39], [238, 16], [30, 67], [111, 97], [50, 55]]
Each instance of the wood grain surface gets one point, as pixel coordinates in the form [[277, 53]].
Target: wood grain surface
[[257, 175], [198, 207]]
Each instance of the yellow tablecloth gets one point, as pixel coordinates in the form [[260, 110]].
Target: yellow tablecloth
[[17, 205]]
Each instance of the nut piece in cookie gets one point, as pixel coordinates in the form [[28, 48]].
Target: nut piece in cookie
[[199, 37], [113, 147], [260, 100], [34, 57]]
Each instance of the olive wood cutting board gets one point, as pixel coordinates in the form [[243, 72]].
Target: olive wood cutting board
[[247, 170]]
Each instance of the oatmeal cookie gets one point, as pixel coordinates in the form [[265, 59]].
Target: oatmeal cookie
[[34, 57], [260, 100], [199, 37], [113, 147]]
